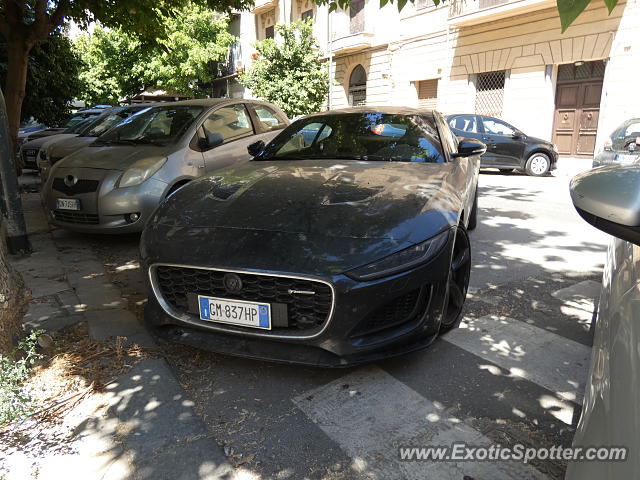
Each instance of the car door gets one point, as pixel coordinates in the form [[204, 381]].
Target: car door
[[468, 126], [234, 125], [505, 144], [466, 169]]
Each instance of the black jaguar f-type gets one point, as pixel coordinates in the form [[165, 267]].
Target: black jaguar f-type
[[343, 241]]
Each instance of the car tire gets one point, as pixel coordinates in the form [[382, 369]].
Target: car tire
[[538, 164], [457, 280], [473, 217]]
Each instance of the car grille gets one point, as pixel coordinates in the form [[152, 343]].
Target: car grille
[[81, 186], [401, 310], [303, 312], [76, 217]]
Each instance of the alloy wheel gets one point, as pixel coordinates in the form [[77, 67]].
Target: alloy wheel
[[539, 164], [459, 271]]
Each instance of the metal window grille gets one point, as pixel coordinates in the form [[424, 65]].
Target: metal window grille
[[306, 15], [582, 71], [427, 93], [269, 32], [358, 87], [490, 93]]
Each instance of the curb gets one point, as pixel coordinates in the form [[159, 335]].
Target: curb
[[150, 429]]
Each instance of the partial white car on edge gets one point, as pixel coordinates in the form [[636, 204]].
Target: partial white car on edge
[[609, 199]]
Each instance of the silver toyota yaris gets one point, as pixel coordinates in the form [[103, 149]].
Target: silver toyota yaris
[[114, 184]]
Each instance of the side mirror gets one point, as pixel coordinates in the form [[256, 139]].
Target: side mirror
[[516, 135], [468, 147], [255, 148], [609, 199], [212, 140]]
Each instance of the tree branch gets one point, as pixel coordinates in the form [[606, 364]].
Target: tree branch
[[58, 14]]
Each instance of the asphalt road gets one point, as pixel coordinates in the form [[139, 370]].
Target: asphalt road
[[513, 373]]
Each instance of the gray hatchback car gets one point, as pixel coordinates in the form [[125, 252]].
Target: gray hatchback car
[[114, 184]]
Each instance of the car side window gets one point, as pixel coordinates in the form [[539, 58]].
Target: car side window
[[447, 137], [626, 135], [231, 122], [465, 123], [496, 127], [268, 118]]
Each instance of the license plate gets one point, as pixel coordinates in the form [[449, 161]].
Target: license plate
[[67, 204], [625, 158], [235, 312]]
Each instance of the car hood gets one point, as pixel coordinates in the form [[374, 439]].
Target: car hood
[[404, 202], [113, 157], [67, 146], [39, 142]]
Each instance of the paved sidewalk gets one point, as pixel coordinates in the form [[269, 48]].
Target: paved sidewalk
[[144, 426], [569, 167]]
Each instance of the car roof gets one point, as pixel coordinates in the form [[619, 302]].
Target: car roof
[[381, 109], [211, 102]]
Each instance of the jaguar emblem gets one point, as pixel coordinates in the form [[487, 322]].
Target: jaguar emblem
[[232, 282]]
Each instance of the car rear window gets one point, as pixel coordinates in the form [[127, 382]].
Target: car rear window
[[359, 136]]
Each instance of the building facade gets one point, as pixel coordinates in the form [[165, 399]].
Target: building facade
[[504, 58]]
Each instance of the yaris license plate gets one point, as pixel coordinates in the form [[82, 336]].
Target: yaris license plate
[[67, 204], [235, 312]]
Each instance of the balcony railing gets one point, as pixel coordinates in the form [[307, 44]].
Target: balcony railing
[[352, 43], [478, 11]]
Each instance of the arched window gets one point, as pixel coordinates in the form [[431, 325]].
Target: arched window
[[358, 87]]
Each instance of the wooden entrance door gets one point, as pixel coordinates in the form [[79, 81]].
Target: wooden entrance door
[[576, 117]]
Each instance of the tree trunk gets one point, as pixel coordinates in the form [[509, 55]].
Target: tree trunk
[[14, 301], [18, 49]]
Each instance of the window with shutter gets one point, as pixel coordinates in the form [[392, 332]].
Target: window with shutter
[[428, 93]]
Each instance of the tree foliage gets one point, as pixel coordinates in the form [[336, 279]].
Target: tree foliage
[[289, 72], [119, 65], [113, 65], [52, 79]]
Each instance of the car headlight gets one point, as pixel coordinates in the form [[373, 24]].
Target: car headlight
[[402, 260], [555, 147], [140, 171], [43, 155]]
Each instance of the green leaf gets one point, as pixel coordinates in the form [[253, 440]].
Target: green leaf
[[611, 4], [569, 11], [383, 3], [401, 4]]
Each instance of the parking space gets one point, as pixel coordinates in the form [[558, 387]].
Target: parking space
[[513, 372]]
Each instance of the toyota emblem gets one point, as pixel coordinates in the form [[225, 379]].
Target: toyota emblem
[[232, 282], [70, 180]]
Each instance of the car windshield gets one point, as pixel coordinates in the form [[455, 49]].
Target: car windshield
[[626, 134], [358, 136], [80, 126], [161, 125], [104, 122]]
